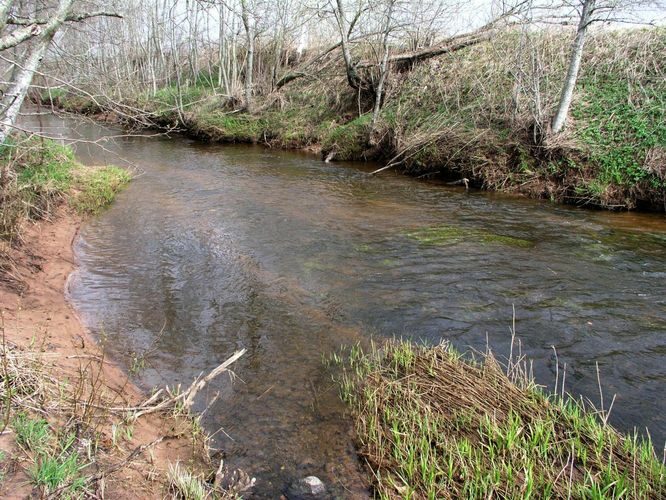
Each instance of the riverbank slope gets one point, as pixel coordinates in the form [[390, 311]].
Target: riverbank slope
[[71, 421], [477, 116], [41, 327]]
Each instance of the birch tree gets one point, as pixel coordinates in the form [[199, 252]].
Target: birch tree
[[249, 26], [345, 28], [383, 66], [40, 33], [589, 12], [586, 17]]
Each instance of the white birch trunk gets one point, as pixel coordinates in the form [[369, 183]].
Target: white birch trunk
[[5, 7], [11, 103], [352, 77], [574, 67], [249, 60], [383, 67]]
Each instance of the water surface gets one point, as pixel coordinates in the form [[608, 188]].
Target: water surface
[[217, 247]]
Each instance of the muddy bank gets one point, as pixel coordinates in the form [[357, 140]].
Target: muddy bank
[[37, 317]]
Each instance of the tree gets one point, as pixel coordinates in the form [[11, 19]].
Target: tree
[[248, 25], [40, 32], [588, 12], [586, 18], [345, 28], [383, 66]]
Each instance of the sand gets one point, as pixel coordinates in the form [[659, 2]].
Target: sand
[[37, 316]]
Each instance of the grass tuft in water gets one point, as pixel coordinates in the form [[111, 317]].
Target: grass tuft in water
[[183, 484], [432, 424]]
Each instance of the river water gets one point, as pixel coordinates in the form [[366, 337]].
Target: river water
[[217, 247]]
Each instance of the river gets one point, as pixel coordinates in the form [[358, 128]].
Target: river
[[217, 247]]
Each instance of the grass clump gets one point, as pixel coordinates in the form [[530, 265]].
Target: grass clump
[[183, 96], [54, 465], [349, 140], [432, 424], [37, 175], [31, 433], [452, 235], [58, 469], [185, 485], [96, 187], [232, 128]]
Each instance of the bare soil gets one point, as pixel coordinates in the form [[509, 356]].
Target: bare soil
[[36, 315]]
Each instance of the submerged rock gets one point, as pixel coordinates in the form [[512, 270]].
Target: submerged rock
[[310, 487]]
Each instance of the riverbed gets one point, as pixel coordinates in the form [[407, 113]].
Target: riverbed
[[216, 247]]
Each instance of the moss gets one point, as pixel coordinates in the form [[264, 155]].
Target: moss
[[452, 235]]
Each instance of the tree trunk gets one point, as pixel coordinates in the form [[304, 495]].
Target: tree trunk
[[574, 66], [249, 60], [352, 75], [5, 7], [383, 68], [11, 104], [223, 70]]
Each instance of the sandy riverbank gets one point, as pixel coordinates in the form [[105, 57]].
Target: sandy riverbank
[[37, 317]]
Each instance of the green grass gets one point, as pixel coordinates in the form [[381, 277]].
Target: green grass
[[53, 93], [97, 187], [53, 472], [46, 174], [32, 433], [620, 124], [434, 424], [54, 464], [59, 468], [349, 140], [185, 96], [185, 485], [45, 165], [230, 127]]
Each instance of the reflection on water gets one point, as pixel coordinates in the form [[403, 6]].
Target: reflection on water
[[236, 246]]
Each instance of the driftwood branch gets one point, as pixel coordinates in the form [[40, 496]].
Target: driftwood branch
[[201, 382], [165, 399]]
